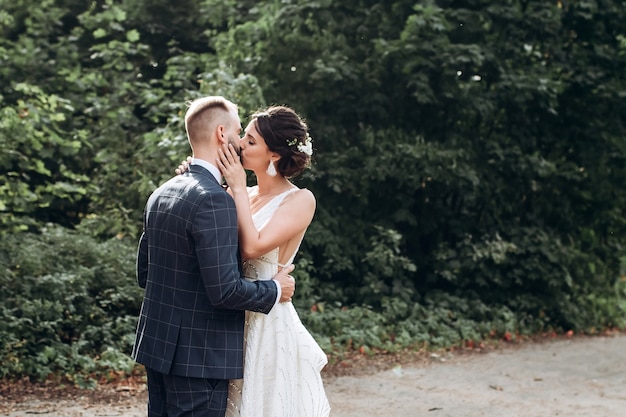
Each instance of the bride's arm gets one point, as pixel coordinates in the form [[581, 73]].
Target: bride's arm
[[292, 217], [290, 220]]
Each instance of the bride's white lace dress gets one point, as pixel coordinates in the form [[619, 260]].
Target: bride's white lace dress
[[282, 360]]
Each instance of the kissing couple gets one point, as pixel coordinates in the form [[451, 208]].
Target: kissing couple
[[217, 333]]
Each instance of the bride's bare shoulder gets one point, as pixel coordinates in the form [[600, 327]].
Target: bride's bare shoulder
[[302, 197]]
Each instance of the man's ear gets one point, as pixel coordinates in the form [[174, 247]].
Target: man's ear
[[221, 134]]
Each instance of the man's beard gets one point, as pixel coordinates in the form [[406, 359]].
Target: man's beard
[[235, 143]]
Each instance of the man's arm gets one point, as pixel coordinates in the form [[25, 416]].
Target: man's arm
[[216, 243]]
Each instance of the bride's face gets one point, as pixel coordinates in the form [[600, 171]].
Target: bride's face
[[255, 155]]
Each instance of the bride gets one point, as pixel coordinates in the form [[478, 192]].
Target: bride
[[282, 361]]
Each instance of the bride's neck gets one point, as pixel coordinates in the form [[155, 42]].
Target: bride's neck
[[272, 185]]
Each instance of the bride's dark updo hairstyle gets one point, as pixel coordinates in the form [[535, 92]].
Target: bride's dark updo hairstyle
[[286, 134]]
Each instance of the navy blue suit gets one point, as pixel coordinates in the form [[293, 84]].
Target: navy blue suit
[[192, 318]]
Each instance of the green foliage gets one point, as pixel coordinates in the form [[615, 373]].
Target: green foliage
[[469, 161], [441, 320], [69, 303], [37, 156], [471, 132]]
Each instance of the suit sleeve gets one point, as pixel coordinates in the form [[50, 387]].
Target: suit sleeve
[[216, 243]]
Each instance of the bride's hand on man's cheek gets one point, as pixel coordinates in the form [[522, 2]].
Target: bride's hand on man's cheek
[[230, 165]]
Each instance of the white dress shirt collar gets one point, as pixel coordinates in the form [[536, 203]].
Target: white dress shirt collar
[[209, 166]]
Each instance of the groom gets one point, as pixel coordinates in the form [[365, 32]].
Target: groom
[[190, 330]]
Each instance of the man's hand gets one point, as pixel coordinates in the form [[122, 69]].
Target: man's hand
[[286, 282]]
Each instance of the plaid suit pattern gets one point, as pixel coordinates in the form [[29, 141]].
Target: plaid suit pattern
[[192, 317]]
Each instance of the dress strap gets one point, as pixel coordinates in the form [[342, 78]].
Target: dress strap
[[280, 199]]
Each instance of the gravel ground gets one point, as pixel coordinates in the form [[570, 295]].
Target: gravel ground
[[578, 376]]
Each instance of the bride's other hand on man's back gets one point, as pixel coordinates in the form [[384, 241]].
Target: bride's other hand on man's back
[[184, 166]]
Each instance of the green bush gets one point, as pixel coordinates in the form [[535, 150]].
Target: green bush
[[67, 300]]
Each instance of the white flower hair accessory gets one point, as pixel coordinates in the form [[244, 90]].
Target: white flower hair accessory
[[306, 147]]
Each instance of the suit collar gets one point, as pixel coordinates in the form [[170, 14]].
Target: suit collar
[[215, 172]]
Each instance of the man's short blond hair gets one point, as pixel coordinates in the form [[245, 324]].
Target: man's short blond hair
[[204, 115]]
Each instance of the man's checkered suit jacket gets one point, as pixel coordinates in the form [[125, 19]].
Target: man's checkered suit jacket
[[192, 318]]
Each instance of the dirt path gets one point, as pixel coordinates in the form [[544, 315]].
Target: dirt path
[[568, 377], [578, 377]]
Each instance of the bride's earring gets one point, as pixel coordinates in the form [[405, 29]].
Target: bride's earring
[[271, 169]]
